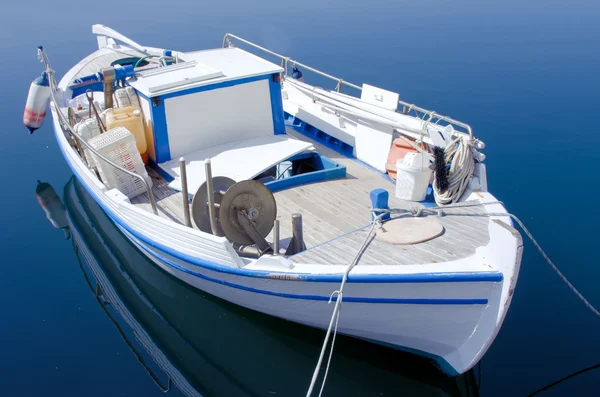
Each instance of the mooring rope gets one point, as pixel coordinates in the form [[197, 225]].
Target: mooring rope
[[460, 155], [333, 323], [439, 211]]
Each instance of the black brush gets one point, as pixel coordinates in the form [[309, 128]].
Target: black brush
[[440, 170]]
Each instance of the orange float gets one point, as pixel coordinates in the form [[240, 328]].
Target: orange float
[[400, 148]]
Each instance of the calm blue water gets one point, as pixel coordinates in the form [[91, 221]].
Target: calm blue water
[[522, 73]]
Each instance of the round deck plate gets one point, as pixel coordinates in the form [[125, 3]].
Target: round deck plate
[[410, 230], [200, 203], [256, 199]]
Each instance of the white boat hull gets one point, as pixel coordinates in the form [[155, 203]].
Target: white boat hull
[[450, 311], [450, 329]]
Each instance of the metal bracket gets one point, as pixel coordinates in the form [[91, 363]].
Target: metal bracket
[[246, 222]]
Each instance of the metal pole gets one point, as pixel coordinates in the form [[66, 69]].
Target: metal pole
[[297, 233], [89, 94], [184, 192], [210, 196], [109, 78], [276, 237]]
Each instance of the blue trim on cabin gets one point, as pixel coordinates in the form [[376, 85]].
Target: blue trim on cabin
[[277, 105], [159, 119], [162, 150], [404, 301], [210, 87], [445, 277], [149, 100]]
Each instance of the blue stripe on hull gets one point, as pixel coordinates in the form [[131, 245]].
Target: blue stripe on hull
[[352, 278], [405, 301]]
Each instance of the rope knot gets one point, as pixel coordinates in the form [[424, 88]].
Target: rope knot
[[416, 211]]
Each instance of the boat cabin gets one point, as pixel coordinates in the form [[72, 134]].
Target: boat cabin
[[224, 105]]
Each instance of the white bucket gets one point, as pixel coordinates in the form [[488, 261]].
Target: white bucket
[[413, 176]]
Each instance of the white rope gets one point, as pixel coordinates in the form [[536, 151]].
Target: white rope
[[459, 154], [336, 313], [337, 319]]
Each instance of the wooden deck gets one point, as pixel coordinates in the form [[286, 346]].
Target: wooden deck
[[336, 218], [336, 213], [169, 202], [340, 207]]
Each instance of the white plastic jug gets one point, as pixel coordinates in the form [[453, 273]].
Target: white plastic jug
[[413, 176]]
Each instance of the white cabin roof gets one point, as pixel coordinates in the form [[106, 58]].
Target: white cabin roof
[[202, 68]]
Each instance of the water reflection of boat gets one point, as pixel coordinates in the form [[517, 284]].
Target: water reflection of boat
[[207, 346]]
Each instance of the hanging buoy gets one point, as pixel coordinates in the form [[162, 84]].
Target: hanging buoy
[[52, 206], [37, 103], [297, 74]]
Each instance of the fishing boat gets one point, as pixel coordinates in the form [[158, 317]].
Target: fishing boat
[[178, 350], [232, 172]]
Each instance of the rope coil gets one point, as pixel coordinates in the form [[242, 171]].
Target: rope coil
[[460, 155]]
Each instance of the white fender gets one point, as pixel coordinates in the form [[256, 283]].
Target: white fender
[[37, 103]]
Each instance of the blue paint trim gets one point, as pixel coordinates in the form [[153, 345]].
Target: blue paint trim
[[159, 119], [215, 86], [331, 170], [81, 90], [405, 301], [327, 140], [380, 199], [494, 277], [315, 176], [162, 150], [319, 136], [276, 105]]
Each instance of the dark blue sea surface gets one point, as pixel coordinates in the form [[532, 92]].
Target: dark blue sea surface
[[524, 74]]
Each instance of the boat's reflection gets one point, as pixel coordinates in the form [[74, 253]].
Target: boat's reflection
[[209, 347]]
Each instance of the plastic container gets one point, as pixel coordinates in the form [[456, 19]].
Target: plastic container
[[126, 96], [398, 150], [87, 129], [412, 177], [119, 146], [130, 118]]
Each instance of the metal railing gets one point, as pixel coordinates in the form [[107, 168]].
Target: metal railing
[[65, 124], [429, 116]]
